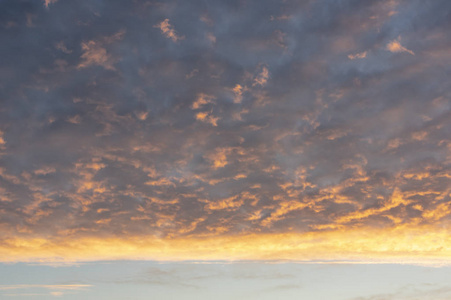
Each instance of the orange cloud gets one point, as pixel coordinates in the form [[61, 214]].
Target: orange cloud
[[262, 78], [238, 91], [438, 212], [357, 55], [284, 208], [230, 203], [202, 99], [395, 200], [419, 245], [2, 141], [95, 54], [206, 117], [395, 47], [52, 289], [169, 31], [219, 157], [192, 226], [160, 182]]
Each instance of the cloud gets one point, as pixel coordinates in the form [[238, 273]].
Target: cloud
[[110, 134], [169, 31], [48, 2], [219, 157], [2, 140], [202, 99], [207, 118], [60, 46], [55, 290], [364, 245], [229, 203], [95, 53], [45, 286], [357, 55], [406, 293], [238, 93], [395, 47], [262, 78]]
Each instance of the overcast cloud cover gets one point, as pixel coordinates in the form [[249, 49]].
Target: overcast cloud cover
[[218, 119]]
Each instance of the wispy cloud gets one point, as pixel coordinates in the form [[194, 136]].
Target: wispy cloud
[[358, 55], [49, 2], [45, 286], [262, 78], [95, 53], [395, 46], [169, 31], [207, 117], [202, 99], [55, 290]]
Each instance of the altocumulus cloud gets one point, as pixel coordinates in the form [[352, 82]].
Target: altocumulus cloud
[[306, 130]]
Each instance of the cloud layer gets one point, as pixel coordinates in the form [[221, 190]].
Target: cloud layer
[[176, 122]]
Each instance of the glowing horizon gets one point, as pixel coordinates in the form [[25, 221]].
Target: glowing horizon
[[404, 246]]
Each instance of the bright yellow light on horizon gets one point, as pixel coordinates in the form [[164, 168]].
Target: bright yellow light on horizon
[[420, 245]]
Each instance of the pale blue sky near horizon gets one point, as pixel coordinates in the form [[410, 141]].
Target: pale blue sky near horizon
[[222, 280]]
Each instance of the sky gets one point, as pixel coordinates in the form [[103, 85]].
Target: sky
[[235, 140]]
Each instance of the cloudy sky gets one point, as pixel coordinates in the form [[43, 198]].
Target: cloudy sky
[[313, 131]]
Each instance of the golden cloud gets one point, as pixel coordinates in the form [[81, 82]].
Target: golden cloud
[[169, 31], [395, 46], [418, 245]]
